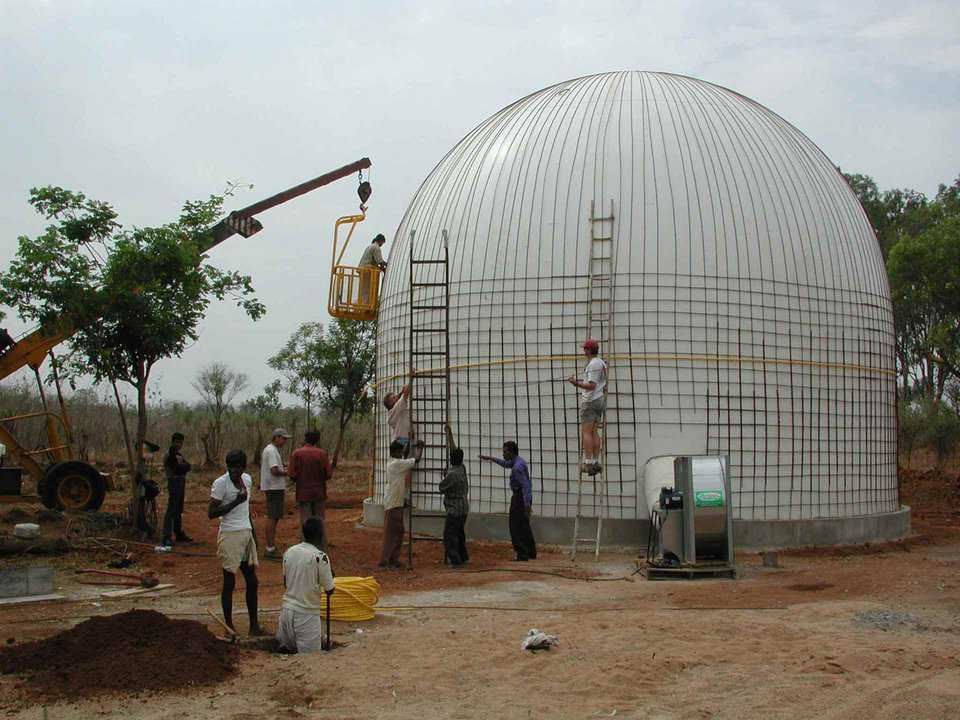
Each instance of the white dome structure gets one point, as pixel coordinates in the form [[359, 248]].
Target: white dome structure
[[746, 310]]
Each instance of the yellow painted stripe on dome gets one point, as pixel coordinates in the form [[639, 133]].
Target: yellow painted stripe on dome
[[613, 359]]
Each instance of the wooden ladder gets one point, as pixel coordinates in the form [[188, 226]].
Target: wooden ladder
[[600, 296]]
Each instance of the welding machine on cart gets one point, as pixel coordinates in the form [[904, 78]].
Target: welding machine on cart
[[691, 525]]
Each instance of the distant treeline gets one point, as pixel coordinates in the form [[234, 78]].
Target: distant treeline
[[98, 436]]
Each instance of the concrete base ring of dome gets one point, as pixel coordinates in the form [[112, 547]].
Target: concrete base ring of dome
[[754, 535]]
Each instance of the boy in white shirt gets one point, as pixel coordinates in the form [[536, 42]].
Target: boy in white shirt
[[274, 484], [236, 544], [306, 574], [593, 404], [394, 497]]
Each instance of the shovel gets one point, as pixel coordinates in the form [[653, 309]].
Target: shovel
[[327, 645], [147, 579]]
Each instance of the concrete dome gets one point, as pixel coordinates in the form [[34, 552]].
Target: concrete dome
[[750, 309]]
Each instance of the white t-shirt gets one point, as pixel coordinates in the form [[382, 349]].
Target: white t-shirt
[[394, 493], [398, 418], [269, 458], [596, 372], [306, 575], [226, 492]]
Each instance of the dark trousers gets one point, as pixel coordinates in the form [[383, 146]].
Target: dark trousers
[[173, 517], [392, 536], [520, 533], [455, 539]]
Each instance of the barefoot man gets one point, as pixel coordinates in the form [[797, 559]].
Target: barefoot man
[[236, 545]]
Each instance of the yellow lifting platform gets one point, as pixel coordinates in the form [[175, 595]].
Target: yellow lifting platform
[[354, 291]]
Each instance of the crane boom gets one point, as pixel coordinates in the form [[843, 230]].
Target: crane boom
[[31, 350]]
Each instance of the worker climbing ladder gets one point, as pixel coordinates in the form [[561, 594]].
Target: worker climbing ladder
[[600, 295], [429, 337]]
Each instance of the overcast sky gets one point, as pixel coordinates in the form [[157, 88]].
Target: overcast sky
[[146, 105]]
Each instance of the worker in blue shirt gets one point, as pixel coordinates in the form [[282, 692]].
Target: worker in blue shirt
[[521, 502]]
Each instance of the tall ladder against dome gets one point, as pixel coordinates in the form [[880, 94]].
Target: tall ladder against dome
[[429, 338], [600, 294]]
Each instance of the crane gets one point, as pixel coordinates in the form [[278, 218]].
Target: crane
[[62, 481]]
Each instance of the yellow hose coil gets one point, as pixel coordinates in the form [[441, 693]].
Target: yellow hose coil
[[354, 599]]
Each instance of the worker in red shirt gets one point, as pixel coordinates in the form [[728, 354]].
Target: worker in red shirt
[[310, 469]]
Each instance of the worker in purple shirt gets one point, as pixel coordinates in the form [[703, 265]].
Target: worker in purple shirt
[[521, 502]]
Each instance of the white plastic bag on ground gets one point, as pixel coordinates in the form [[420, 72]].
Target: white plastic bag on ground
[[537, 640]]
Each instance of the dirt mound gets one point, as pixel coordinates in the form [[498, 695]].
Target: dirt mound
[[931, 492], [131, 652]]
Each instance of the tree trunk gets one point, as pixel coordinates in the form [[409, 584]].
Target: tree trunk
[[141, 427], [208, 454], [344, 421], [126, 435]]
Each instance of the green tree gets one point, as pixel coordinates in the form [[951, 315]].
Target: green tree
[[260, 412], [346, 362], [218, 386], [924, 276], [136, 296], [893, 213], [297, 363]]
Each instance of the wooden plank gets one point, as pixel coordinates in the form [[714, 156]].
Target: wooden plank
[[31, 598], [134, 591]]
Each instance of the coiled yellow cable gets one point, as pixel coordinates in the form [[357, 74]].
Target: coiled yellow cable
[[354, 599]]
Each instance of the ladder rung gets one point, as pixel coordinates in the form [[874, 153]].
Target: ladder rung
[[430, 284], [429, 352], [429, 330], [429, 375], [425, 492], [602, 239], [428, 262], [601, 219], [435, 398], [428, 307]]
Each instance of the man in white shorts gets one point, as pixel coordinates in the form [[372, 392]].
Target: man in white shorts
[[236, 544], [593, 404], [306, 574]]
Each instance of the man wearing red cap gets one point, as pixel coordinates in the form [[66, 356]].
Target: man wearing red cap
[[593, 403]]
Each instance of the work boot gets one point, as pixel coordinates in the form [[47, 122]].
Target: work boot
[[167, 542]]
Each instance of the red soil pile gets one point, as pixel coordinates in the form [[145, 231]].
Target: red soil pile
[[135, 651]]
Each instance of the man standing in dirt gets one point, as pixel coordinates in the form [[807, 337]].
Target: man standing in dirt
[[310, 469], [273, 483], [455, 489], [521, 503], [236, 544], [306, 574], [175, 468], [394, 499]]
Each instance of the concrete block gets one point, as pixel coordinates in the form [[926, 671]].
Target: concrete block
[[18, 582]]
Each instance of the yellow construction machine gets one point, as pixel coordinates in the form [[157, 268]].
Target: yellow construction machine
[[61, 480]]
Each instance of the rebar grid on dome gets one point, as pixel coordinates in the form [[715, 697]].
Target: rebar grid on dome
[[751, 311], [754, 401]]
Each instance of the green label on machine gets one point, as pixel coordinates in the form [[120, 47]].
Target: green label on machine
[[708, 498]]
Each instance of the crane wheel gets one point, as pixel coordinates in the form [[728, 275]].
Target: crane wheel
[[73, 485]]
